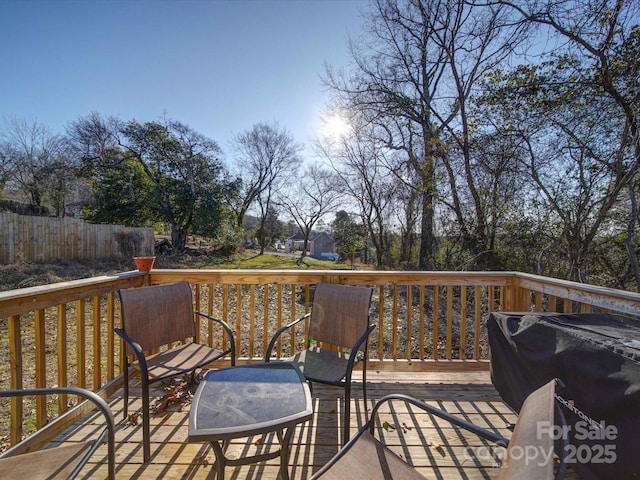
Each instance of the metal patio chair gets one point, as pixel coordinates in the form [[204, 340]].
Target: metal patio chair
[[156, 316], [64, 461], [367, 458], [339, 317]]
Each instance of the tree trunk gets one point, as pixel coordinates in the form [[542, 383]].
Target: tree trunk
[[629, 242], [426, 260], [178, 239]]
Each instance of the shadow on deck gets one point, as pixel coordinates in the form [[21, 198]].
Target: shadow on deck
[[432, 445]]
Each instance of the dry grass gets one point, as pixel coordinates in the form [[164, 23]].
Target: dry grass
[[28, 274], [25, 274]]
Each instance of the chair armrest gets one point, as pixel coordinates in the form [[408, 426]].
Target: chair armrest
[[274, 339], [137, 349], [362, 339], [481, 432], [227, 329], [356, 347], [99, 403]]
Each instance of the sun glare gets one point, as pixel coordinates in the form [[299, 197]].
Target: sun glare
[[335, 126]]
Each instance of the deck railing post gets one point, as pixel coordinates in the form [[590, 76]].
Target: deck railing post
[[15, 365]]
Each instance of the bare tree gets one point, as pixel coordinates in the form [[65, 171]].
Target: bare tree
[[313, 195], [365, 178], [606, 35], [413, 75], [94, 139], [6, 165], [576, 165], [577, 116], [36, 165], [267, 156]]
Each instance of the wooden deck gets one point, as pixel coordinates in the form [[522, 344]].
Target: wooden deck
[[432, 445]]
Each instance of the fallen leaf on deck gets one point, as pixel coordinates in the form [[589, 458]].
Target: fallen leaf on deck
[[388, 426], [134, 418], [177, 393]]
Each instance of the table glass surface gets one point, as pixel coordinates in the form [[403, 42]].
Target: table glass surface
[[249, 397]]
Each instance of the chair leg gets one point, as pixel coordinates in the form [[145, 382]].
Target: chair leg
[[347, 414], [364, 384], [126, 392], [146, 427]]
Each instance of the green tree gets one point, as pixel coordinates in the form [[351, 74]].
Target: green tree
[[597, 53], [568, 139], [121, 195], [350, 237], [182, 181], [574, 120], [269, 229], [602, 38]]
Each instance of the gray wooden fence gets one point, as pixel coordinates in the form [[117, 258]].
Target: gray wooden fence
[[46, 239]]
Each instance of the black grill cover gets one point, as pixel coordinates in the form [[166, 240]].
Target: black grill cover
[[597, 356]]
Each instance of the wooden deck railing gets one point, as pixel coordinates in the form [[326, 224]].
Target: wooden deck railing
[[62, 334]]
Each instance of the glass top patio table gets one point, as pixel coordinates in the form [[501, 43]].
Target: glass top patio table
[[247, 400]]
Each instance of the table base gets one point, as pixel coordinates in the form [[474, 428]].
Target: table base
[[222, 461]]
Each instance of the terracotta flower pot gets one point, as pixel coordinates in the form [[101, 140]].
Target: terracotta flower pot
[[144, 264]]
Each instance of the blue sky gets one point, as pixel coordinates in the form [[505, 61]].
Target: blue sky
[[219, 66]]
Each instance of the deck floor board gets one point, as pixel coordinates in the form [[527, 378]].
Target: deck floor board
[[433, 446]]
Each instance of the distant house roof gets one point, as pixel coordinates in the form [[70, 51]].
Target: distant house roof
[[298, 237], [317, 235]]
